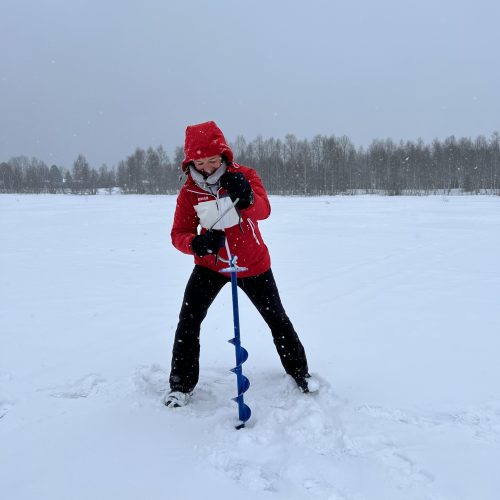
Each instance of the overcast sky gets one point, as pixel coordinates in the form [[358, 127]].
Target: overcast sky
[[102, 77]]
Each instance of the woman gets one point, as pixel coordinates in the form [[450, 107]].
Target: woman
[[227, 200]]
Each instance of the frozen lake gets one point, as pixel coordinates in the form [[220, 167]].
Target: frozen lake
[[395, 299]]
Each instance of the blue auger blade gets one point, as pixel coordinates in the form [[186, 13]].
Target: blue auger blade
[[242, 355], [244, 412], [243, 384]]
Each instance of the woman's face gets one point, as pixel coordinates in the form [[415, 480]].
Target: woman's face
[[208, 166]]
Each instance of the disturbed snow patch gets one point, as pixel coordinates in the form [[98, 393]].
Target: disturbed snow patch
[[288, 444], [82, 388]]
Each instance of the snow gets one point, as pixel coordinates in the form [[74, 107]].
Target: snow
[[395, 300]]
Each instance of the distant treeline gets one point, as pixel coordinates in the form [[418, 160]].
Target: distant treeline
[[321, 166]]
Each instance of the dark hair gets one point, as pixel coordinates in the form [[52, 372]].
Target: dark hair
[[225, 160]]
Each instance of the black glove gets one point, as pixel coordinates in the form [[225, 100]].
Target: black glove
[[208, 242], [237, 186]]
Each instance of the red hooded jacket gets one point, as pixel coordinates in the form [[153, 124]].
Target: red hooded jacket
[[197, 207]]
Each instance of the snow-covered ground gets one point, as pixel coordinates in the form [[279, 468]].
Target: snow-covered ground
[[397, 301]]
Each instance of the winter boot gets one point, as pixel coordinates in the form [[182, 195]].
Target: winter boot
[[306, 383], [176, 399]]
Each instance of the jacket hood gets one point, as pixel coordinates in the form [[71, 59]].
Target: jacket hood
[[205, 140]]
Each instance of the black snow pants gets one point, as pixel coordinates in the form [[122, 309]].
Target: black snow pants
[[201, 290]]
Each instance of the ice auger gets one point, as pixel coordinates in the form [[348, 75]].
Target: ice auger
[[243, 383]]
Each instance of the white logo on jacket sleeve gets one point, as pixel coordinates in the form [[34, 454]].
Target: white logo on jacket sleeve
[[209, 211]]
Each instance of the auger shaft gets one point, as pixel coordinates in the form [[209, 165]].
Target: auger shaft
[[241, 353]]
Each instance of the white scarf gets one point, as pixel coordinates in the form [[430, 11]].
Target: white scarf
[[210, 183]]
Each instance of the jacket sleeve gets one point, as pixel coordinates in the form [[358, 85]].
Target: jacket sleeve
[[261, 208], [185, 225]]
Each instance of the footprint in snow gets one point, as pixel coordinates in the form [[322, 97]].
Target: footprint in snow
[[255, 478], [150, 381], [81, 388], [325, 490], [483, 422], [403, 470]]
